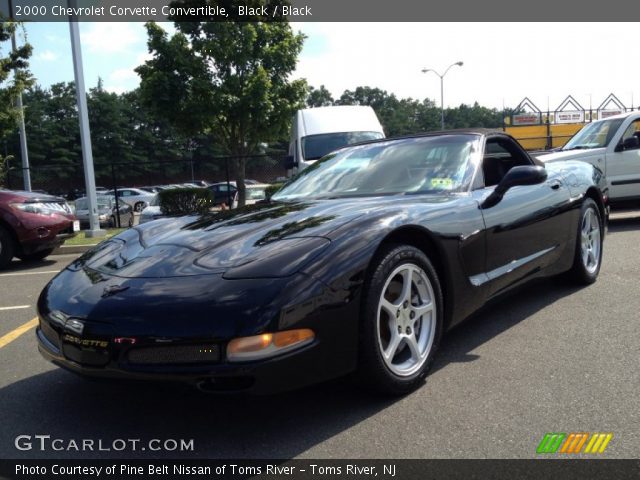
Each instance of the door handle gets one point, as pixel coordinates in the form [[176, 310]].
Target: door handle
[[555, 185]]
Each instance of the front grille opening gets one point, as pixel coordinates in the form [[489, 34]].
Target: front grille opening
[[174, 354]]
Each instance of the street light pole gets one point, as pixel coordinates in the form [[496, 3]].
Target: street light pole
[[85, 135], [426, 70]]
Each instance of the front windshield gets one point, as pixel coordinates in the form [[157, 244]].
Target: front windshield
[[317, 146], [413, 165], [255, 193], [594, 135]]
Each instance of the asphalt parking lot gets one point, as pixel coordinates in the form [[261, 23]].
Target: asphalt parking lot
[[550, 358]]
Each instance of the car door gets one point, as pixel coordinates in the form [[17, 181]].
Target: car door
[[528, 229], [623, 166]]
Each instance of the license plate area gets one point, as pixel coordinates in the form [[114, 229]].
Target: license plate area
[[76, 225], [91, 348]]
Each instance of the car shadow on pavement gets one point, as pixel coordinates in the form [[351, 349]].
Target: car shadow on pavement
[[17, 266], [59, 404], [499, 316], [630, 224]]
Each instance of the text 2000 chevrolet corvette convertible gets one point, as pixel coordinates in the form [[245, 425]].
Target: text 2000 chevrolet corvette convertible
[[358, 264]]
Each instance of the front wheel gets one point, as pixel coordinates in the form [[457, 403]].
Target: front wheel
[[138, 207], [401, 321], [588, 255]]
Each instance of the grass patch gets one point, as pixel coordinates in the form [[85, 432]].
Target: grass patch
[[81, 239]]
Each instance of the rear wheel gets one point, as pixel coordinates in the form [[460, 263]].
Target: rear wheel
[[402, 321], [588, 255], [139, 206], [36, 256], [7, 247]]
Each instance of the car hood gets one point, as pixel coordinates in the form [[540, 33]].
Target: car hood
[[269, 240], [570, 155], [277, 238]]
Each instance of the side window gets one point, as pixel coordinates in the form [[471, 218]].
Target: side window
[[500, 155], [632, 131]]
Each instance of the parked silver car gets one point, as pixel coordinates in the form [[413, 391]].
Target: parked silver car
[[107, 211], [136, 197]]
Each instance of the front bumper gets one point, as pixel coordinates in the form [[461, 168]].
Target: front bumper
[[102, 344], [288, 371], [44, 232]]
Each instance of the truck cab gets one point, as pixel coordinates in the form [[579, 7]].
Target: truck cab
[[316, 132], [612, 145]]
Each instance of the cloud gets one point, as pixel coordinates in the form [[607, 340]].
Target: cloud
[[107, 38], [503, 62], [47, 56]]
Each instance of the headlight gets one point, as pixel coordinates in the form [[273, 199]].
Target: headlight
[[267, 345], [41, 208]]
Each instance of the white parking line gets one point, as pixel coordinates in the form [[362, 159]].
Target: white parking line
[[17, 307], [16, 274]]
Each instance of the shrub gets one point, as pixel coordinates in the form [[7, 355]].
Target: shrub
[[272, 189], [182, 201]]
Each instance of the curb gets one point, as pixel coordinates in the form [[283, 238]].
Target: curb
[[71, 249]]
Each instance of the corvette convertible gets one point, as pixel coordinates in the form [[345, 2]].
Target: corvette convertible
[[358, 265]]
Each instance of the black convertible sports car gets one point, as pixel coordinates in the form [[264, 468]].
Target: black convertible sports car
[[360, 263]]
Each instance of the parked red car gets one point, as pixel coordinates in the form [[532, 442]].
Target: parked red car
[[32, 225]]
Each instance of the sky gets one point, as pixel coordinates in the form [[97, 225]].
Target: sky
[[503, 62]]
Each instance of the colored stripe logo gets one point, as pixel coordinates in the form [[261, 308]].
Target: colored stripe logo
[[574, 443]]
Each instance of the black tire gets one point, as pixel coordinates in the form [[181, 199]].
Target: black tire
[[373, 371], [130, 223], [581, 273], [37, 256], [7, 247], [138, 207]]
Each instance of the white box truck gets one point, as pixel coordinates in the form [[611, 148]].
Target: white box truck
[[316, 132]]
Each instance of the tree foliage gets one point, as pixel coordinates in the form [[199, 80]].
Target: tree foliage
[[14, 78], [229, 80]]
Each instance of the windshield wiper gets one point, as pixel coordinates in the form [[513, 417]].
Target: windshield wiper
[[578, 147]]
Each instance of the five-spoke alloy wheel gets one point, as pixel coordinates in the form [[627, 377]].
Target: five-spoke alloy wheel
[[401, 320], [588, 254]]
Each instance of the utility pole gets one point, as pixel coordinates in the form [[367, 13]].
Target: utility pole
[[85, 134], [24, 152]]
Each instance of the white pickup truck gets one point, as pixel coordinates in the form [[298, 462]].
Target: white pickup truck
[[612, 145]]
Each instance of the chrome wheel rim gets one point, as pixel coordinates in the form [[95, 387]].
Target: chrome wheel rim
[[590, 240], [406, 320]]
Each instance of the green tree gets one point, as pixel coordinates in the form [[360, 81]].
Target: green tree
[[226, 79], [319, 97], [14, 78]]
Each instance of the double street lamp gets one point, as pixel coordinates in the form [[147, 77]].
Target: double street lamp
[[426, 70]]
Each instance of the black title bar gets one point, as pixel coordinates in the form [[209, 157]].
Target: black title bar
[[318, 11]]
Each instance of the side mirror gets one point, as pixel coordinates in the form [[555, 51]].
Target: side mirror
[[517, 176], [289, 162], [630, 143]]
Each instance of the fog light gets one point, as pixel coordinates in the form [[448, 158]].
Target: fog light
[[268, 344]]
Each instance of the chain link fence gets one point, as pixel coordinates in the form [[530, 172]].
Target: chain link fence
[[68, 180]]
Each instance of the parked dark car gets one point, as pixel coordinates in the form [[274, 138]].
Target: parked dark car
[[32, 225], [107, 212], [360, 263], [223, 192]]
